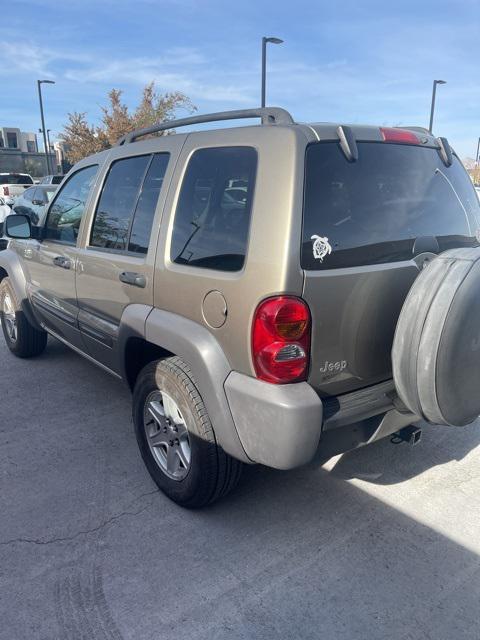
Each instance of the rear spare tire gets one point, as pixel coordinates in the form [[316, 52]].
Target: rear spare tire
[[436, 349]]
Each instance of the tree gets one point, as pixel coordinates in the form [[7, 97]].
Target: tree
[[82, 139]]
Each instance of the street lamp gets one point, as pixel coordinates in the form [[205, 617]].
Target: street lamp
[[48, 138], [39, 85], [264, 62], [432, 109]]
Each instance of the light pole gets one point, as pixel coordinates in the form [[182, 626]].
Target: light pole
[[264, 62], [475, 175], [39, 85], [432, 109]]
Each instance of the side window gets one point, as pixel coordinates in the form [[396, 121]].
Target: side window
[[147, 203], [212, 220], [125, 211], [67, 209]]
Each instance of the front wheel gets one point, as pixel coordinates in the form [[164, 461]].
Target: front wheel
[[23, 340], [176, 438]]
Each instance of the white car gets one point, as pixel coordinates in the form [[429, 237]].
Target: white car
[[14, 184], [5, 210]]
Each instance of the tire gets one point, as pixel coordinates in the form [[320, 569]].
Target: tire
[[21, 337], [176, 438], [436, 350]]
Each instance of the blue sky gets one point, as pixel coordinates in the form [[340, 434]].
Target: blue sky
[[366, 61]]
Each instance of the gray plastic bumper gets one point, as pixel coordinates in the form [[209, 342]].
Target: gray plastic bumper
[[278, 425]]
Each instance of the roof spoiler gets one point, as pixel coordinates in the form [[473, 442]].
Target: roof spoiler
[[348, 143], [446, 152]]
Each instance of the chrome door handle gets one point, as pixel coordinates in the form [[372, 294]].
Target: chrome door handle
[[62, 261], [135, 279]]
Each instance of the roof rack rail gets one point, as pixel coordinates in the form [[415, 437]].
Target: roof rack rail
[[269, 115]]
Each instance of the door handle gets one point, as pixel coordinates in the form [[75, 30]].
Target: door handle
[[135, 279], [62, 261]]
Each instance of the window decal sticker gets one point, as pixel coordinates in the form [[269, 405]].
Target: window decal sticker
[[321, 247]]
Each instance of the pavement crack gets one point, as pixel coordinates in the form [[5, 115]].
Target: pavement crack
[[83, 532]]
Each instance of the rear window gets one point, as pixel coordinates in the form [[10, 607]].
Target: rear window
[[372, 211], [15, 178]]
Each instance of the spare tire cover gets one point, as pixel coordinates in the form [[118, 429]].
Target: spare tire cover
[[436, 349]]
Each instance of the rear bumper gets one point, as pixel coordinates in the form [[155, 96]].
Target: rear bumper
[[281, 426], [278, 425]]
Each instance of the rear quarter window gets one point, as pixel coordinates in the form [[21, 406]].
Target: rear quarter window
[[212, 219], [372, 211]]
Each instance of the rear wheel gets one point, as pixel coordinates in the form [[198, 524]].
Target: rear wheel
[[176, 438], [21, 337]]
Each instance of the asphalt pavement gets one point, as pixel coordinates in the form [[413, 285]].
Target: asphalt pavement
[[381, 543]]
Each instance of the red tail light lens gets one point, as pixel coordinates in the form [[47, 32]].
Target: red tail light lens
[[401, 136], [6, 191], [281, 340]]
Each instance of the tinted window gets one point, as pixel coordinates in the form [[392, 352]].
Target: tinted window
[[147, 203], [212, 220], [117, 203], [56, 179], [67, 210], [15, 178], [371, 211]]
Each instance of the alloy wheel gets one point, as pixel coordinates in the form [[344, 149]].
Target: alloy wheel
[[167, 435]]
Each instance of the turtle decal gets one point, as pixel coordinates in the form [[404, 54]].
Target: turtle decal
[[321, 247]]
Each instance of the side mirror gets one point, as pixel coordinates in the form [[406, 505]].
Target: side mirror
[[38, 202], [18, 227]]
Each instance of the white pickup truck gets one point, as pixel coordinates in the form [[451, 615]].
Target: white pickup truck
[[14, 184]]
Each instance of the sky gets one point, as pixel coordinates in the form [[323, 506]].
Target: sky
[[347, 61]]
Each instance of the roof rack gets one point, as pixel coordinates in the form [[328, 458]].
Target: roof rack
[[268, 115]]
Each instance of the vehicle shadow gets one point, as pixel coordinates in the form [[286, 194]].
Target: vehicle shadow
[[385, 463]]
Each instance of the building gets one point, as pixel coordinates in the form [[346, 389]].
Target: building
[[19, 153], [13, 138]]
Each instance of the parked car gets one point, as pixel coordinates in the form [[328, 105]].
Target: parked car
[[14, 184], [55, 179], [5, 208], [330, 301], [33, 202]]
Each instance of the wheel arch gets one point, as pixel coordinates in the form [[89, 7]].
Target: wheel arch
[[148, 334]]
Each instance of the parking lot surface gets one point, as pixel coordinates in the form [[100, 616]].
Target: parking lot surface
[[383, 542]]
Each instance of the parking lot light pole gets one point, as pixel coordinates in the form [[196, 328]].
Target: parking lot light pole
[[44, 131], [265, 41], [432, 109]]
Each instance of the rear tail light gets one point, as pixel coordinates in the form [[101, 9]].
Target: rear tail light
[[281, 340], [6, 191], [399, 135]]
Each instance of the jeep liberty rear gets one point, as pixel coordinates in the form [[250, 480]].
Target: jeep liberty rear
[[396, 202]]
